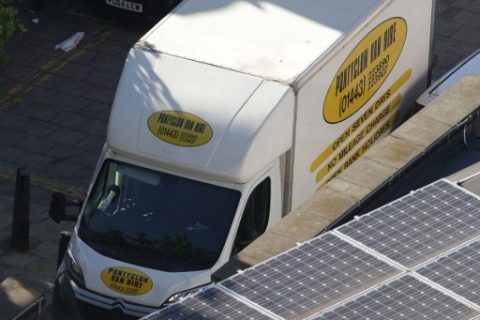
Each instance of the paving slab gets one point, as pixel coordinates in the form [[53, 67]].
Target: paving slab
[[421, 131], [463, 98], [354, 191], [368, 173], [18, 259], [394, 152], [328, 204], [269, 245], [17, 293], [25, 275], [300, 225]]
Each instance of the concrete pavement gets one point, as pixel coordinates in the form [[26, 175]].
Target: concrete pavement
[[457, 32], [54, 109]]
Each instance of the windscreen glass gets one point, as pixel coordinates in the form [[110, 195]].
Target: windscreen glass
[[157, 220]]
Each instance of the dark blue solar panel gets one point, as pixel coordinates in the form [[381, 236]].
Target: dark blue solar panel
[[458, 272], [405, 298], [420, 225], [310, 277], [211, 304]]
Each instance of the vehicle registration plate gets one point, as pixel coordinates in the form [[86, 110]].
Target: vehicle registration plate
[[126, 5]]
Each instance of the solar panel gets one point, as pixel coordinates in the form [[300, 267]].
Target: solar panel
[[458, 272], [404, 298], [212, 304], [419, 226], [310, 277]]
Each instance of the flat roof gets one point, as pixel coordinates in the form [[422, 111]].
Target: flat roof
[[469, 66], [274, 39]]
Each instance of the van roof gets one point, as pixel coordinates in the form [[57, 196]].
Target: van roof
[[271, 39], [249, 125]]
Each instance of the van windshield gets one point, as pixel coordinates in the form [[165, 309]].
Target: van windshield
[[157, 220]]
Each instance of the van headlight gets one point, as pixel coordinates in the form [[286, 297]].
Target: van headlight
[[74, 270], [181, 295]]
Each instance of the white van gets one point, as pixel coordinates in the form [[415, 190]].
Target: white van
[[228, 115]]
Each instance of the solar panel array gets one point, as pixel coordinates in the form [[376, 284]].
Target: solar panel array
[[418, 227], [313, 276], [458, 272], [405, 298], [213, 304], [415, 258]]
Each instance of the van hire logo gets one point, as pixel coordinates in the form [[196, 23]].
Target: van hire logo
[[180, 128], [126, 281], [365, 70]]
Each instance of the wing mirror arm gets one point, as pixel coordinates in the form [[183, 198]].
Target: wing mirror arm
[[58, 205]]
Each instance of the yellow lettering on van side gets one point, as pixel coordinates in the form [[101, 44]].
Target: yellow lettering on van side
[[377, 135], [358, 138], [365, 70], [360, 120]]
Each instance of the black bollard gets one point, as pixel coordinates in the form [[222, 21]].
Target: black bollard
[[20, 238]]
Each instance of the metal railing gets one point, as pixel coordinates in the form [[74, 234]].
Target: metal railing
[[33, 311]]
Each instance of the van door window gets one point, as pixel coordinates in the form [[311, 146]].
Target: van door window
[[255, 216]]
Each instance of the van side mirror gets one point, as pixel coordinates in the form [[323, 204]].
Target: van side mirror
[[58, 205]]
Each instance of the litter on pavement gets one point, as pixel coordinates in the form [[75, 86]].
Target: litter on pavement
[[71, 42]]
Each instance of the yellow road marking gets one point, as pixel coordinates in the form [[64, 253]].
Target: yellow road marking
[[18, 92], [10, 175], [34, 79]]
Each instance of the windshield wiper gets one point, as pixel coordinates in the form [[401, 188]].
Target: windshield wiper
[[105, 241]]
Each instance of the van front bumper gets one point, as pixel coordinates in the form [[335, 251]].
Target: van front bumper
[[91, 305]]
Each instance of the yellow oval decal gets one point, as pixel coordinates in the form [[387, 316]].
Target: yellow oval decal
[[127, 281], [365, 70], [180, 128]]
